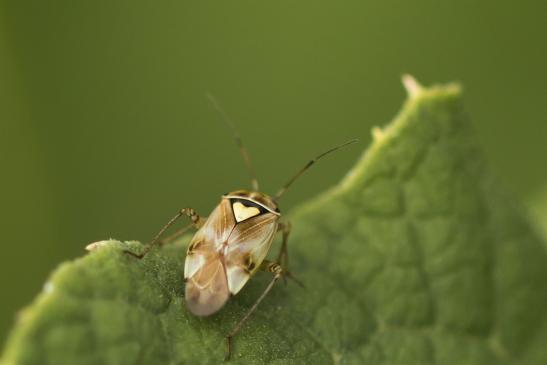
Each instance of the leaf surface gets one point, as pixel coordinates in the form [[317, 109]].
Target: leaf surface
[[416, 257]]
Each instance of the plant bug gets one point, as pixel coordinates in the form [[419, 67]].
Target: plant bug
[[231, 245]]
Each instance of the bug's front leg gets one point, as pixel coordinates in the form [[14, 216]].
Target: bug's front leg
[[283, 256], [197, 222]]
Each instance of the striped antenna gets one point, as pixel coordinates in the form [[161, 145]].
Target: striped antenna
[[237, 137], [308, 165]]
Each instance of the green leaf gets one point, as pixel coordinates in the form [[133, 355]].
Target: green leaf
[[417, 257], [538, 211]]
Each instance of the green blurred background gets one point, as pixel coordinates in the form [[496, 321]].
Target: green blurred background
[[105, 130]]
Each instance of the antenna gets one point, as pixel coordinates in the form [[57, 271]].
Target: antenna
[[308, 165], [237, 137]]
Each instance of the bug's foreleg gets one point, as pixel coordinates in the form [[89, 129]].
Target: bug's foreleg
[[278, 272], [283, 256], [197, 222]]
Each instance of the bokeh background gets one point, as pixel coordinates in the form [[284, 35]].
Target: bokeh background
[[105, 130]]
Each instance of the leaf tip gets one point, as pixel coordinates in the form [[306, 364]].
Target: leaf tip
[[96, 245], [412, 86], [377, 133], [49, 287]]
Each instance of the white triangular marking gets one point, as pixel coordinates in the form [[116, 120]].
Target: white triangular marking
[[242, 212]]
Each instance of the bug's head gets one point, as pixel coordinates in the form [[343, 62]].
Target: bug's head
[[254, 198]]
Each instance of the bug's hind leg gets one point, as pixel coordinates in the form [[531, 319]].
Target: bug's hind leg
[[278, 272], [197, 222]]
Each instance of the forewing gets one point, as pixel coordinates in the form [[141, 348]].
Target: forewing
[[204, 269], [221, 222], [248, 245], [207, 290], [218, 226]]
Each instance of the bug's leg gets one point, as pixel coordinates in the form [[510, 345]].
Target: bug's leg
[[283, 256], [197, 222], [277, 271], [177, 234]]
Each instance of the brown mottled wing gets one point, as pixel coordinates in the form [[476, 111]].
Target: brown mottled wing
[[204, 269], [219, 225], [248, 245], [207, 290]]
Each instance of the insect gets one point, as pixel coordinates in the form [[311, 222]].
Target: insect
[[231, 245]]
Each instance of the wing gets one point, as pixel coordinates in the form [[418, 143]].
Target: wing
[[205, 276], [219, 224], [207, 290], [204, 269], [248, 245]]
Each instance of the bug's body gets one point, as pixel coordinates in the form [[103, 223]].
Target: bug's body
[[232, 243], [228, 249]]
